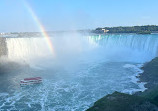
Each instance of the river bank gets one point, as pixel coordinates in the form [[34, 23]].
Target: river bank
[[140, 101]]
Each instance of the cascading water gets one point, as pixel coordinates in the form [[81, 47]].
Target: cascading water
[[133, 48], [84, 69], [27, 50]]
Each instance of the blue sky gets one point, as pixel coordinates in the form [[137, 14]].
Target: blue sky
[[76, 14]]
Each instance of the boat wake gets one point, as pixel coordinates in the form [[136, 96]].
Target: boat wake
[[85, 69]]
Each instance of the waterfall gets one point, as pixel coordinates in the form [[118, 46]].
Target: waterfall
[[27, 50], [139, 48], [84, 69], [114, 47]]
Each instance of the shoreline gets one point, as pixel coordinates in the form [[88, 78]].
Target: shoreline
[[135, 78], [149, 74], [146, 100]]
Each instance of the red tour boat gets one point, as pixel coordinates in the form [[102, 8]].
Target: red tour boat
[[29, 81]]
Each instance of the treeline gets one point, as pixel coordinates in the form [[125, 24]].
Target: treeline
[[147, 29]]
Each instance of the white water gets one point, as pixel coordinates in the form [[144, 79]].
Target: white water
[[133, 48], [84, 69]]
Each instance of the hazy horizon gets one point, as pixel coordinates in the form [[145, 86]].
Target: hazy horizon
[[28, 15]]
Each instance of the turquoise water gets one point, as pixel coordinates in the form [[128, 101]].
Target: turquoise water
[[82, 69]]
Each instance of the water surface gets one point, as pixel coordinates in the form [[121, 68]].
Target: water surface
[[81, 70]]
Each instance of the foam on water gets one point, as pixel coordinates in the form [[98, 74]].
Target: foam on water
[[134, 78], [76, 93], [84, 70]]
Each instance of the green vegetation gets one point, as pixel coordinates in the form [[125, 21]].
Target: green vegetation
[[150, 74], [144, 32], [152, 95], [123, 102], [133, 29], [141, 101]]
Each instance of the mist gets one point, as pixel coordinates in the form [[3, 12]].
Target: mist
[[71, 49]]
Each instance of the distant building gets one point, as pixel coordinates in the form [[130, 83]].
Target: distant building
[[105, 31], [2, 33]]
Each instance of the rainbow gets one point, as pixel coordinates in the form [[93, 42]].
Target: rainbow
[[41, 27]]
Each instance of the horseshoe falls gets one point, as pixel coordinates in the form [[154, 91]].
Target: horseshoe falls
[[83, 69]]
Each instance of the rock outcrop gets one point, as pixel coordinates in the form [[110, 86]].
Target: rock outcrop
[[3, 47], [140, 101]]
